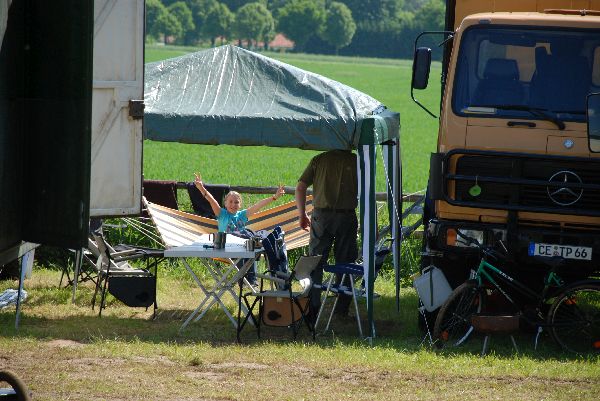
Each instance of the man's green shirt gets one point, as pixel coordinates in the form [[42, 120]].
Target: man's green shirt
[[334, 179]]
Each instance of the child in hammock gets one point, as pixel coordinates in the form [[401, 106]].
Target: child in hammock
[[232, 218]]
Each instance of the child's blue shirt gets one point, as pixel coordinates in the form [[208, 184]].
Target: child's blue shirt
[[229, 223]]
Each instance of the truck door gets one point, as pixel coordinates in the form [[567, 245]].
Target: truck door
[[116, 154]]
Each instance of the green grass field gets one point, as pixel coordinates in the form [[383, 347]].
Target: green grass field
[[386, 80]]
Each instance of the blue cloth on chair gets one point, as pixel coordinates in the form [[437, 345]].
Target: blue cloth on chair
[[345, 268], [353, 270], [275, 250]]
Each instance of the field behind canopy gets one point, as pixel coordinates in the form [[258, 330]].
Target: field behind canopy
[[386, 80], [64, 351]]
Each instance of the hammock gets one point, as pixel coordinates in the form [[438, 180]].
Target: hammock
[[178, 228]]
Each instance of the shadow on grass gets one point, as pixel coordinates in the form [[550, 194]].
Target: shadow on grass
[[395, 330], [49, 314]]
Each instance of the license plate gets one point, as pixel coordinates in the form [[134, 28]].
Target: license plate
[[563, 251]]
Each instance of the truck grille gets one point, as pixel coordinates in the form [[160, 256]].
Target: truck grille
[[525, 182]]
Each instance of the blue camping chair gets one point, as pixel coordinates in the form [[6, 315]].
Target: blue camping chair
[[350, 274]]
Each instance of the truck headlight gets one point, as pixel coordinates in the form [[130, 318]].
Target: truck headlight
[[453, 239]]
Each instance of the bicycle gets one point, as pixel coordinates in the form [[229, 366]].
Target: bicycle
[[571, 312]]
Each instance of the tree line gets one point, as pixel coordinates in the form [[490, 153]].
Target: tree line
[[373, 28]]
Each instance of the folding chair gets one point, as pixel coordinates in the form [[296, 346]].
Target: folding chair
[[432, 290], [84, 268], [350, 273], [132, 286], [281, 307]]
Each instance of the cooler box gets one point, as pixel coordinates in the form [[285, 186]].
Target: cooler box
[[432, 288]]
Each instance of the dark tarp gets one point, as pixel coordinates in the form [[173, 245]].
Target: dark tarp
[[228, 95]]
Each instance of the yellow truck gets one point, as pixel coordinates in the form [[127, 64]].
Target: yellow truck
[[516, 157]]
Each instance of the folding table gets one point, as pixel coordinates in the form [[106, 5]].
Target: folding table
[[225, 276]]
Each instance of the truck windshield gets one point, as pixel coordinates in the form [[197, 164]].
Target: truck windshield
[[510, 71]]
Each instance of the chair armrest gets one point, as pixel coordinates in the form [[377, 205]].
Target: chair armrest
[[271, 278], [283, 275], [122, 254], [155, 252], [128, 255], [280, 274]]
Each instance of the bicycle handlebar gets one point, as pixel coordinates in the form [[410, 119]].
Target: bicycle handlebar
[[470, 240], [487, 250]]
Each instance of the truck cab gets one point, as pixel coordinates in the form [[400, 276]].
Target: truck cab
[[514, 162]]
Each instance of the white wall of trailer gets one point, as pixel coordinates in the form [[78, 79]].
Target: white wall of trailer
[[116, 174]]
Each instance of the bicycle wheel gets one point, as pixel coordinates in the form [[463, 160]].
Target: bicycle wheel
[[453, 323], [574, 318]]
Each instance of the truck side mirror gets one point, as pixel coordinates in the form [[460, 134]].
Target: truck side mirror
[[593, 119], [421, 67]]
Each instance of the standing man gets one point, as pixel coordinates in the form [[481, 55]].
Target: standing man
[[335, 197]]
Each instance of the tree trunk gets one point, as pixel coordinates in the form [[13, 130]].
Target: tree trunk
[[212, 42]]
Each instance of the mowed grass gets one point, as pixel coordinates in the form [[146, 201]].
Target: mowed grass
[[64, 351]]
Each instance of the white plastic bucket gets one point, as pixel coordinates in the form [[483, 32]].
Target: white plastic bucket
[[432, 288]]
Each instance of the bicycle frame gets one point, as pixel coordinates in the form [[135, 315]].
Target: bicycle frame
[[486, 272]]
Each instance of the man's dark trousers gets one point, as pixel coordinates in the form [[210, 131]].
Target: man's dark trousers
[[337, 229]]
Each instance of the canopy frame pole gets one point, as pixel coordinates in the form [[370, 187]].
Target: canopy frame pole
[[391, 159], [367, 153]]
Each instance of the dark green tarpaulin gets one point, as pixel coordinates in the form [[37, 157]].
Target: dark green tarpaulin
[[228, 95]]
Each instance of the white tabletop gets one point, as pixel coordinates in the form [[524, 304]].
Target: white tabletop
[[235, 247]]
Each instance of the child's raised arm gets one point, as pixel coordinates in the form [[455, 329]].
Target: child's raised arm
[[262, 203], [214, 205]]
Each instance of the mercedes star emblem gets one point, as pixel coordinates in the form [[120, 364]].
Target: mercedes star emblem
[[564, 196]]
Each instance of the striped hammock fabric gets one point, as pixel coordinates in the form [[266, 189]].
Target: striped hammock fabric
[[178, 228]]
